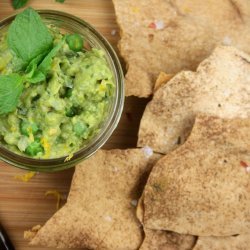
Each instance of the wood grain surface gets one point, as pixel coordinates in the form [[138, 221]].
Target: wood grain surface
[[23, 205]]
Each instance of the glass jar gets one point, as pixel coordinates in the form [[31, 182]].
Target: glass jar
[[71, 24]]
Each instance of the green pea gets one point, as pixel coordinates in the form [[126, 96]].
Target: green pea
[[26, 128], [79, 128], [75, 42], [70, 112], [68, 92], [34, 148]]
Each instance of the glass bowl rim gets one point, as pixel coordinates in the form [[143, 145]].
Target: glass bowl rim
[[60, 163]]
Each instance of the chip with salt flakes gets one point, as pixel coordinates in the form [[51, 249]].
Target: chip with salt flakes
[[201, 188], [157, 240], [238, 242], [172, 35], [100, 211], [220, 87]]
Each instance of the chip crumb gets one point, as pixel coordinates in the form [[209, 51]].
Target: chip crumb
[[148, 152], [58, 196], [25, 177], [134, 203], [30, 234]]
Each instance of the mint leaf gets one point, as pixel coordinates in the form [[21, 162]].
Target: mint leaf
[[17, 64], [11, 87], [17, 4], [46, 63], [30, 70], [60, 1], [28, 36], [37, 77], [36, 74]]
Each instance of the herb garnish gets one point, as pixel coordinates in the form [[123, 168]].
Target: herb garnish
[[32, 44], [11, 88], [28, 36]]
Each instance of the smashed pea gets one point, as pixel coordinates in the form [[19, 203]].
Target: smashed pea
[[60, 114]]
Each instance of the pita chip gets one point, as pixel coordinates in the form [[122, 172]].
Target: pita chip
[[203, 187], [175, 35], [100, 211], [238, 242], [164, 240], [219, 87]]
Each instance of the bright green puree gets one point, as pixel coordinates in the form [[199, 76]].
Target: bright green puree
[[54, 96]]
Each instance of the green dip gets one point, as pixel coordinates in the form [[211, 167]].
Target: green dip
[[59, 115]]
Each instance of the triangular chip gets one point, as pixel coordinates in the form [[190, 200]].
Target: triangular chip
[[100, 211], [238, 242], [203, 187], [164, 240], [172, 35], [220, 87]]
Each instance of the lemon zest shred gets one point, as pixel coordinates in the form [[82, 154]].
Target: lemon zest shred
[[57, 195], [46, 146], [69, 157], [102, 87], [25, 177], [13, 129]]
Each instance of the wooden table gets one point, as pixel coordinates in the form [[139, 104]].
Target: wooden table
[[23, 205]]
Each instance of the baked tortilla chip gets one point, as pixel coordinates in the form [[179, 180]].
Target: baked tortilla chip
[[220, 87], [164, 240], [172, 35], [239, 242], [100, 211], [203, 187]]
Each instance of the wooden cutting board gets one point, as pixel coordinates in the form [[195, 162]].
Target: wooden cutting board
[[23, 205]]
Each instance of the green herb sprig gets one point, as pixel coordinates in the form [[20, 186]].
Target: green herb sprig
[[31, 42]]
